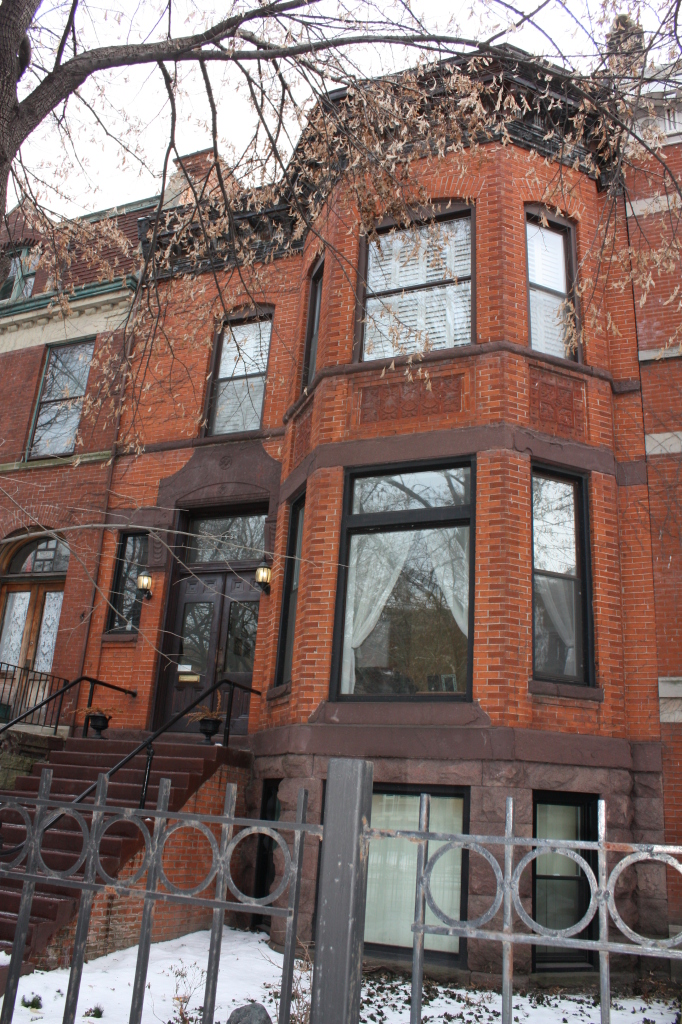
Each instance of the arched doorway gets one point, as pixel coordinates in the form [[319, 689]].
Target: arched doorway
[[31, 594]]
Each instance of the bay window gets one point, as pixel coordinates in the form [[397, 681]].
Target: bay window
[[550, 292], [292, 576], [560, 580], [419, 289], [392, 870], [406, 589], [239, 387], [313, 328]]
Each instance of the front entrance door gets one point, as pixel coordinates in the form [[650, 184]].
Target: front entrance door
[[214, 635]]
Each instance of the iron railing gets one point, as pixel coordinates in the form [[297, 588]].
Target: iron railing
[[150, 883], [37, 697]]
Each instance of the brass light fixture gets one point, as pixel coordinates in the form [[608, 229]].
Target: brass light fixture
[[144, 584], [263, 577]]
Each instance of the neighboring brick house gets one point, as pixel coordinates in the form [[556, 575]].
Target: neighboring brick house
[[469, 587]]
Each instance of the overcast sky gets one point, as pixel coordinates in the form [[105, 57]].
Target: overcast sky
[[96, 173]]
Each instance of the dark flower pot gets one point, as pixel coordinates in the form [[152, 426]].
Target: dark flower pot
[[209, 727], [99, 723]]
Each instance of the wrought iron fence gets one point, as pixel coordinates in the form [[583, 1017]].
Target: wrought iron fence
[[22, 689], [602, 904], [150, 882]]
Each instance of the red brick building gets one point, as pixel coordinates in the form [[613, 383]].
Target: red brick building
[[475, 552]]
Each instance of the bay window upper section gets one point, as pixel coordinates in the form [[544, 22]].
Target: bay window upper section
[[239, 382], [553, 327], [418, 295]]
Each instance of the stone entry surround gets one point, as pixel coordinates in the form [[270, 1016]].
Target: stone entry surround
[[493, 763]]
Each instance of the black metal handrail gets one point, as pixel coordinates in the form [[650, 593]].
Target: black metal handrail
[[59, 694], [22, 689], [223, 681]]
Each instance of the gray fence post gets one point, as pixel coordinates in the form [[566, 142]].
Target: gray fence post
[[337, 977]]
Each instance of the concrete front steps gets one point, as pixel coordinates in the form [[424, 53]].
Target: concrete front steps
[[185, 761]]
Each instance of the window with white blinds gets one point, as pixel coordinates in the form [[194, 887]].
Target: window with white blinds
[[240, 383], [548, 289], [419, 289]]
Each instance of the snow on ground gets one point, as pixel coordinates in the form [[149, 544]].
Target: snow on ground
[[250, 970]]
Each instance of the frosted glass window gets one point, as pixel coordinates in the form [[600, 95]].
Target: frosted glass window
[[13, 624], [419, 289], [548, 288], [392, 871], [49, 627], [240, 383], [61, 400], [557, 584]]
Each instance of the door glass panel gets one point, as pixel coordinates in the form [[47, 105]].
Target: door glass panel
[[48, 630], [241, 636], [393, 870], [14, 621], [195, 636]]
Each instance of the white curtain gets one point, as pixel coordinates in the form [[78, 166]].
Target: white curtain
[[557, 595], [376, 561], [449, 553]]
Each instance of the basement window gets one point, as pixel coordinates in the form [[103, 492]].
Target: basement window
[[61, 400], [419, 289], [239, 387]]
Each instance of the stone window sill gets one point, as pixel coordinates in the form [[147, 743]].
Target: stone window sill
[[278, 691], [545, 689], [119, 638]]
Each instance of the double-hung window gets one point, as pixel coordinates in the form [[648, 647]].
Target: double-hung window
[[419, 289], [560, 580], [61, 400], [19, 275], [561, 892], [125, 605], [313, 329], [392, 870], [552, 308], [406, 585], [239, 386]]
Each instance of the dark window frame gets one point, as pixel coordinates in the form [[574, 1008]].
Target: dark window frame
[[588, 805], [582, 506], [316, 278], [295, 507], [49, 348], [201, 512], [536, 212], [114, 611], [443, 211], [459, 959], [350, 524], [260, 312]]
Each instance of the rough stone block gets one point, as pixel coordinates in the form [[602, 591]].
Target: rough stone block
[[648, 813], [254, 1013]]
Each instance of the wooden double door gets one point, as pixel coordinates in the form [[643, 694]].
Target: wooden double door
[[216, 621]]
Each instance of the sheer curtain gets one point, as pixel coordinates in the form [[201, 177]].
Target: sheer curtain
[[558, 597], [375, 563], [449, 553]]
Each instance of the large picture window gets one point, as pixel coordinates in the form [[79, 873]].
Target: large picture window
[[560, 889], [552, 314], [406, 588], [126, 600], [392, 870], [239, 387], [61, 400], [560, 598], [419, 289]]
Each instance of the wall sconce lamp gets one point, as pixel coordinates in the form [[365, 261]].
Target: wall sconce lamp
[[263, 577], [144, 584]]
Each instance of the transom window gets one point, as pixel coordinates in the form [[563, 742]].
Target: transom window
[[559, 573], [239, 387], [419, 289], [407, 585], [61, 400], [226, 538], [551, 330], [40, 557]]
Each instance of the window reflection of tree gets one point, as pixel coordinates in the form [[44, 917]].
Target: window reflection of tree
[[241, 636], [197, 621], [237, 538]]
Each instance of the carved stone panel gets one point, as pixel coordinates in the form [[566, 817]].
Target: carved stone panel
[[557, 404], [388, 402]]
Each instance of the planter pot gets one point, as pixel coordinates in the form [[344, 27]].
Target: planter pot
[[99, 723], [209, 727]]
